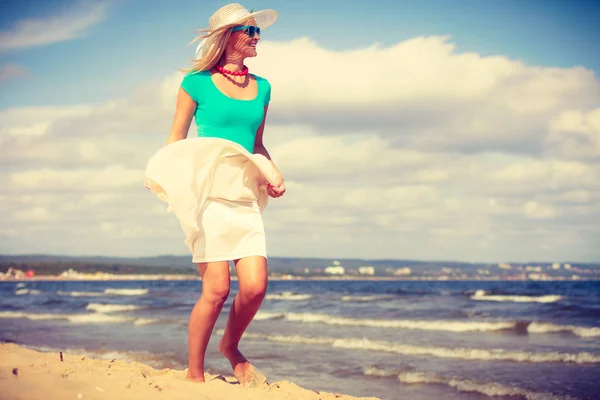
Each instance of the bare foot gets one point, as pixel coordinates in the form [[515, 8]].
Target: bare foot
[[194, 377], [246, 373]]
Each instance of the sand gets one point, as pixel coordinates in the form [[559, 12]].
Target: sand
[[28, 374]]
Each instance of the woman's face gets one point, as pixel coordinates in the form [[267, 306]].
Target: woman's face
[[241, 43]]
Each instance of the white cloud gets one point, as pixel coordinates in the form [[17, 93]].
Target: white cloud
[[421, 92], [66, 24], [418, 70], [576, 134], [36, 214], [438, 155], [81, 180], [35, 121]]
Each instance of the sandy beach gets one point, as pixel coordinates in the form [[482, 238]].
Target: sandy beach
[[28, 374]]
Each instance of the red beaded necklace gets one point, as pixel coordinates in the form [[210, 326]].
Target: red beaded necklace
[[234, 73]]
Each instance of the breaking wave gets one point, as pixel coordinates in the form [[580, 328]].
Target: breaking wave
[[434, 325], [452, 326], [146, 321], [288, 296], [482, 295], [80, 294], [126, 292], [109, 308], [491, 389], [441, 352], [92, 318], [581, 331], [263, 316], [22, 292], [368, 298], [119, 292]]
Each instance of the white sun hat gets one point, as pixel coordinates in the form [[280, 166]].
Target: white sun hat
[[236, 14]]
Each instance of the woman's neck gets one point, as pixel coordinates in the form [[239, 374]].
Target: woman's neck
[[233, 64]]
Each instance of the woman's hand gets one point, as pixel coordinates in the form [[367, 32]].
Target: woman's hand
[[278, 189]]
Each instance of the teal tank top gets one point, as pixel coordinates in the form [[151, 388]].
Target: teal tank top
[[220, 116]]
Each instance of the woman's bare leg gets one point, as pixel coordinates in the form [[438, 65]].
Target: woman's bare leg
[[252, 281], [215, 290]]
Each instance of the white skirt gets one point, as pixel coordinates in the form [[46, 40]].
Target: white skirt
[[217, 190], [231, 230]]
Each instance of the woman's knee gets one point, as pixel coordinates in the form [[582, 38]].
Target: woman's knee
[[254, 291], [215, 281], [252, 277], [216, 292]]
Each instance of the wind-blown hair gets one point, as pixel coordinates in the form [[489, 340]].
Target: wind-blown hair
[[214, 48]]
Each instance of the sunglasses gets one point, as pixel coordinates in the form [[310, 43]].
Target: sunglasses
[[251, 30]]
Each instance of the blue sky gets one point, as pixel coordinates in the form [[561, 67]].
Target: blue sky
[[465, 130], [144, 40]]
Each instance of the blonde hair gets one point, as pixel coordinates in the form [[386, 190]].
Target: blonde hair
[[213, 50]]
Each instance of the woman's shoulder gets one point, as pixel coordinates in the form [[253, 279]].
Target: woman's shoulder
[[264, 87], [261, 80], [193, 83], [263, 83]]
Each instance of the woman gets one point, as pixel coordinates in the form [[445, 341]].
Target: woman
[[230, 106]]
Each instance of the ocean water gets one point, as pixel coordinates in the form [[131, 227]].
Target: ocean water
[[389, 339]]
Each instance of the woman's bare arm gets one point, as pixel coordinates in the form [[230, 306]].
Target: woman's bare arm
[[259, 148], [184, 112]]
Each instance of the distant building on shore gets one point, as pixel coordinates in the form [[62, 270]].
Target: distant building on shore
[[335, 269], [366, 270], [402, 271]]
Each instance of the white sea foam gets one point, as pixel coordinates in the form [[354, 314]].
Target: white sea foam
[[20, 285], [145, 321], [288, 296], [127, 292], [22, 292], [367, 298], [108, 308], [17, 314], [469, 353], [80, 294], [263, 316], [290, 339], [483, 296], [95, 318], [582, 331], [441, 352], [491, 389], [118, 292], [92, 318], [456, 326], [378, 372], [451, 326]]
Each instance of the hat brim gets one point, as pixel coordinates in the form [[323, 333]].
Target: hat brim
[[263, 18]]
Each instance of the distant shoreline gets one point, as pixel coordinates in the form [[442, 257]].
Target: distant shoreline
[[180, 268], [194, 277]]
